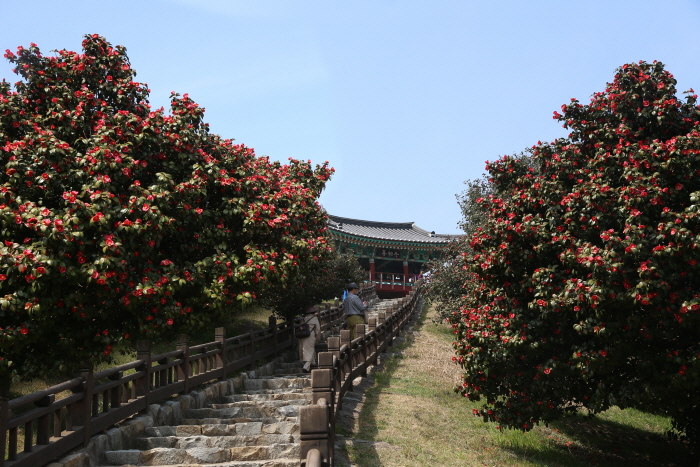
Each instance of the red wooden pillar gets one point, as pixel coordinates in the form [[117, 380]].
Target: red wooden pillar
[[405, 274], [372, 270]]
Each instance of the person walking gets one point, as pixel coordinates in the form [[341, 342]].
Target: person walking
[[307, 345], [354, 310]]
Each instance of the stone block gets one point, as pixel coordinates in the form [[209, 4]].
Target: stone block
[[177, 411], [195, 397], [249, 429], [289, 411], [96, 448], [160, 431], [209, 455], [128, 456], [280, 428], [188, 430], [201, 399], [249, 453], [139, 424], [153, 411], [115, 440], [186, 402], [79, 459], [289, 451], [164, 417], [193, 442], [223, 388], [219, 429]]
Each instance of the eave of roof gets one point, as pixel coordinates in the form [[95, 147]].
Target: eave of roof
[[401, 232]]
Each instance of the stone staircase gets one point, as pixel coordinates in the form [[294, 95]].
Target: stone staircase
[[257, 428]]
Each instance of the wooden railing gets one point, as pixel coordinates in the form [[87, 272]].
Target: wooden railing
[[52, 427], [337, 368], [394, 281]]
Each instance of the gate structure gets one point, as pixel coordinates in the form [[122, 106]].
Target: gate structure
[[394, 253]]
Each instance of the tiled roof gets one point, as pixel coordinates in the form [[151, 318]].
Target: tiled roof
[[401, 231]]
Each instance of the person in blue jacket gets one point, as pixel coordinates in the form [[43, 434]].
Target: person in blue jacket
[[354, 310]]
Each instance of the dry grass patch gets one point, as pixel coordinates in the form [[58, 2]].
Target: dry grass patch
[[412, 417]]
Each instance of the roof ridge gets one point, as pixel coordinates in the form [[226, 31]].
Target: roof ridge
[[344, 220]]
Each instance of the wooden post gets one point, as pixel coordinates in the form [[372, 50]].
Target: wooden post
[[43, 432], [143, 384], [221, 360], [334, 346], [183, 369], [325, 360], [83, 408], [272, 323], [251, 335], [362, 354], [346, 368], [322, 387], [334, 351], [161, 378], [115, 394], [4, 415], [314, 430], [345, 338], [372, 326]]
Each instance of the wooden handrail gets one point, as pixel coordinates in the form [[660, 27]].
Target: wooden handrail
[[107, 397], [337, 368]]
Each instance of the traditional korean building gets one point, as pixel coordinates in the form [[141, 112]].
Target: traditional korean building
[[394, 253]]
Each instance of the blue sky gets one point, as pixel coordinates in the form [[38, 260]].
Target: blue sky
[[406, 99]]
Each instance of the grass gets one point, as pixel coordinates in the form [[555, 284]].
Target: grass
[[411, 417]]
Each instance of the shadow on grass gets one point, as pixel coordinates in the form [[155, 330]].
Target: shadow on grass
[[594, 441]]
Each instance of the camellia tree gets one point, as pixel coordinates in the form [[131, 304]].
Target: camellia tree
[[119, 222], [320, 280], [584, 276]]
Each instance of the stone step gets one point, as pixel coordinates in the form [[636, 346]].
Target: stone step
[[202, 455], [266, 403], [291, 371], [249, 463], [229, 421], [296, 364], [280, 391], [245, 428], [256, 411], [257, 428], [280, 382], [192, 442], [284, 396]]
